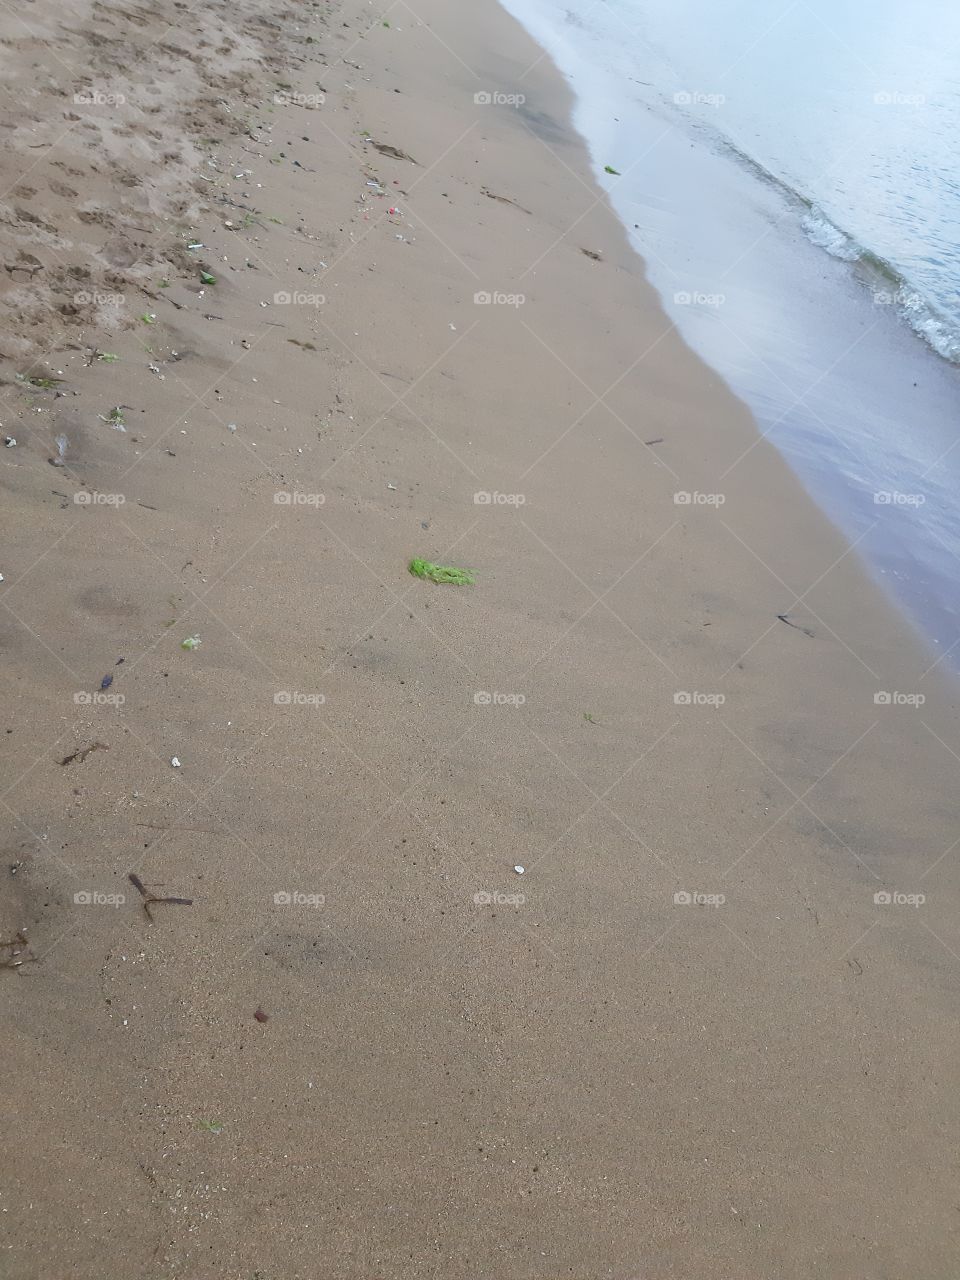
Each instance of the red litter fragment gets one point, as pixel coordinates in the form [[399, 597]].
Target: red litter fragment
[[261, 1016]]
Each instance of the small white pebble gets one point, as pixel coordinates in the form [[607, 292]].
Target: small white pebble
[[175, 762], [519, 870]]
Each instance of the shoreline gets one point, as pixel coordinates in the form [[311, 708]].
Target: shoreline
[[811, 342], [617, 1074]]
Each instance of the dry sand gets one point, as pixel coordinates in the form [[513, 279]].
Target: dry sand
[[593, 1081]]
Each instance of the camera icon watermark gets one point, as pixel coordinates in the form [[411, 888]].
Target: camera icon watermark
[[685, 298], [295, 898], [484, 298], [697, 98], [292, 698], [888, 698], [310, 100], [884, 899], [84, 298], [494, 98], [494, 898], [293, 498], [484, 699], [894, 498], [284, 298], [686, 698], [94, 898], [901, 297], [894, 98], [83, 698], [696, 499], [495, 499], [694, 898], [98, 98], [90, 498]]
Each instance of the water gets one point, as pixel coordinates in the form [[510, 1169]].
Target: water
[[792, 178]]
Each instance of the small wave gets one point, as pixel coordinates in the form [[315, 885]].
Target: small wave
[[821, 231], [911, 306], [922, 319]]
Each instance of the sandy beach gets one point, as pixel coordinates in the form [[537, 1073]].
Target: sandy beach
[[292, 297]]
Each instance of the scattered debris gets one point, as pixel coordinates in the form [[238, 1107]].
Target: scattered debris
[[9, 442], [15, 949], [440, 572], [191, 643], [175, 761], [106, 682], [81, 753], [519, 870], [151, 900], [260, 1016], [591, 253], [608, 168], [589, 718], [115, 418], [207, 278], [659, 440], [211, 1126]]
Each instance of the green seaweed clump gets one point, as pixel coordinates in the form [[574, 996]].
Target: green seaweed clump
[[440, 572]]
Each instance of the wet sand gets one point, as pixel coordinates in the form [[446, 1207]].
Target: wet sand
[[687, 1040]]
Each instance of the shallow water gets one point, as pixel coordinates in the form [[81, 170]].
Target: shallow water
[[790, 179]]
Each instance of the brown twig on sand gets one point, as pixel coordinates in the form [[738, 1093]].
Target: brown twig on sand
[[159, 297], [150, 899], [492, 195], [385, 149]]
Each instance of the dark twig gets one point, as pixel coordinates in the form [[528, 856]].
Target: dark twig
[[150, 899], [796, 625], [81, 753]]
